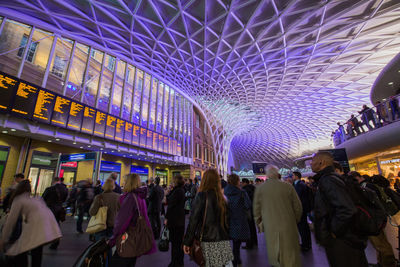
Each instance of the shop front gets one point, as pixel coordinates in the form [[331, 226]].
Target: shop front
[[3, 160], [68, 172], [41, 171], [163, 174], [142, 171], [108, 167], [77, 167]]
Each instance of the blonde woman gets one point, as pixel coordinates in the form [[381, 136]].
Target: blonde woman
[[109, 199], [128, 214]]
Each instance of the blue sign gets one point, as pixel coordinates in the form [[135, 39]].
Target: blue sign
[[78, 157], [109, 166], [139, 170]]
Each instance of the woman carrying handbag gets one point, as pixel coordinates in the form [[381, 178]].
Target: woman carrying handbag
[[207, 235], [132, 232]]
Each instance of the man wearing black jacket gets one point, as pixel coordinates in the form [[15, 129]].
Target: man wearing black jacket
[[385, 255], [303, 193], [250, 189], [334, 210], [155, 197], [175, 220]]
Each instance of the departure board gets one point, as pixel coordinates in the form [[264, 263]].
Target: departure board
[[166, 146], [179, 150], [110, 127], [89, 115], [149, 139], [135, 135], [160, 143], [44, 106], [100, 123], [119, 130], [143, 137], [155, 141], [25, 100], [61, 111], [75, 116], [175, 147], [128, 132], [8, 85]]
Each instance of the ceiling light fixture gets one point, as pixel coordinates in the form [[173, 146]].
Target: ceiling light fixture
[[5, 131], [391, 83], [57, 139], [49, 141], [13, 130]]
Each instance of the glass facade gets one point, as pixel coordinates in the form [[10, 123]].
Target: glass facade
[[138, 95], [96, 79]]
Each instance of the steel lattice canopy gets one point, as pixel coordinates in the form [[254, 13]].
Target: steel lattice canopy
[[274, 76]]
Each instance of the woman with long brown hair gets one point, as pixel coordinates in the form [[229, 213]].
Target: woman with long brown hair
[[210, 207]]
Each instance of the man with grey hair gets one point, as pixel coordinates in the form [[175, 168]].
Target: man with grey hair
[[277, 210]]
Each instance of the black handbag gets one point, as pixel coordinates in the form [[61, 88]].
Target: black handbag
[[196, 252], [94, 255], [163, 244]]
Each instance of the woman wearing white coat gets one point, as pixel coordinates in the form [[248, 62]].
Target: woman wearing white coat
[[39, 227]]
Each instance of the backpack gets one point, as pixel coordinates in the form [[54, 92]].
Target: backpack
[[371, 217], [387, 202]]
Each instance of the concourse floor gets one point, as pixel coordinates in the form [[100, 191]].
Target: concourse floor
[[73, 244]]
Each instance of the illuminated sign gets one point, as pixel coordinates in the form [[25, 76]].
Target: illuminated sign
[[61, 111], [72, 164], [8, 85], [78, 157], [128, 132], [88, 120], [155, 141], [160, 143], [75, 116], [139, 169], [143, 137], [100, 123], [166, 147], [25, 100], [135, 135], [390, 161], [44, 106], [149, 139], [119, 130], [110, 127]]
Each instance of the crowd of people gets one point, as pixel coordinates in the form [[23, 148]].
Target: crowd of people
[[381, 114], [219, 217]]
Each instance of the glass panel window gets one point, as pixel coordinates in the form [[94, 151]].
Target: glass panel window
[[176, 115], [171, 113], [37, 56], [205, 154], [12, 45], [59, 65], [153, 102], [78, 68], [118, 85], [93, 77], [160, 107], [106, 83], [166, 110], [127, 101], [145, 100], [138, 95], [197, 120]]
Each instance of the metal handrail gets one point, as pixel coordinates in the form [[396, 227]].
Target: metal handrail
[[368, 119]]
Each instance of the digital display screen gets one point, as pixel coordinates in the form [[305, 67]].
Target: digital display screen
[[170, 146], [25, 100], [128, 132], [135, 135], [166, 146], [61, 111], [143, 137], [75, 116], [160, 143], [149, 141], [44, 106], [100, 123], [89, 115], [155, 141], [179, 149], [8, 86], [119, 130], [110, 127]]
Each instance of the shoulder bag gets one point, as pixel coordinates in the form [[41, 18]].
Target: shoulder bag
[[137, 240], [98, 222], [196, 252]]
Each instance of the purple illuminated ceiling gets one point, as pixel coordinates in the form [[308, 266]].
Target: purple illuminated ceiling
[[274, 76]]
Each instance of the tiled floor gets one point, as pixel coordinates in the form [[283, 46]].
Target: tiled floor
[[73, 244]]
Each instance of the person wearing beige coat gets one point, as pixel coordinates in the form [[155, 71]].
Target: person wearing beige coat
[[277, 210], [39, 227]]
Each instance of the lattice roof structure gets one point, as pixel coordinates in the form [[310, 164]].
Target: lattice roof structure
[[273, 76]]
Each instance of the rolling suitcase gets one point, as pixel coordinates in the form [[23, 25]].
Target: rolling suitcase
[[94, 255]]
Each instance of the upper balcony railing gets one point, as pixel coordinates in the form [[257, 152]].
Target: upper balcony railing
[[369, 119]]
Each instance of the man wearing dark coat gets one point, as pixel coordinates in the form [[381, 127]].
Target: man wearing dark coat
[[250, 189], [303, 193], [155, 197]]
